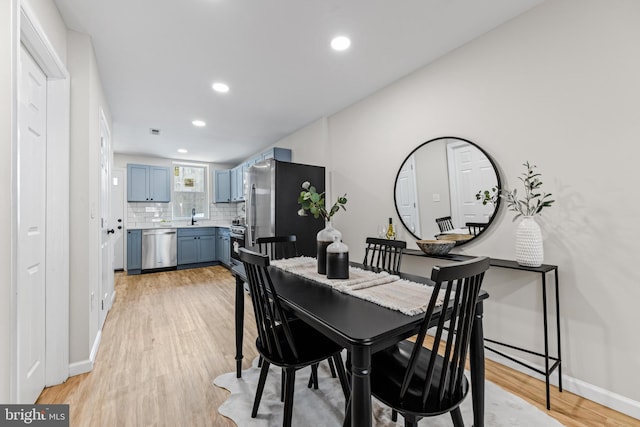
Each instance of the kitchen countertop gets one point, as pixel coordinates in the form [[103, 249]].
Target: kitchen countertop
[[182, 224]]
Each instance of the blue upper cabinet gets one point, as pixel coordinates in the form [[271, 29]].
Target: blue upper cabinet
[[148, 183], [234, 178], [223, 186], [282, 154]]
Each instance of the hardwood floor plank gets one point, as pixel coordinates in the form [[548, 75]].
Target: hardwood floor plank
[[168, 335]]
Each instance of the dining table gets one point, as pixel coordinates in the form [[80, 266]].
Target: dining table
[[360, 326]]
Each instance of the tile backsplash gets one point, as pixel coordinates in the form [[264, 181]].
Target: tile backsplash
[[140, 214]]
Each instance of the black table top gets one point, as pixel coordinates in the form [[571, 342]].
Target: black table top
[[347, 319]]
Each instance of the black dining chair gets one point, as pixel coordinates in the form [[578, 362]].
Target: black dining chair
[[278, 247], [289, 344], [419, 382], [476, 228], [384, 254], [444, 224]]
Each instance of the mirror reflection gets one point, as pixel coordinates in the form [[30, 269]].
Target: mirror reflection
[[436, 187]]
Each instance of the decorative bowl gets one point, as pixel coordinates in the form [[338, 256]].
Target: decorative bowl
[[436, 247], [457, 238]]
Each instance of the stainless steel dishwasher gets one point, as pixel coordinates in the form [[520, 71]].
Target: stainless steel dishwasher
[[159, 248]]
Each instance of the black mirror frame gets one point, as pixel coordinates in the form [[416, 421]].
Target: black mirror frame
[[495, 168]]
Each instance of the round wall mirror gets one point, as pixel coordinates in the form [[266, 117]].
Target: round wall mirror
[[436, 187]]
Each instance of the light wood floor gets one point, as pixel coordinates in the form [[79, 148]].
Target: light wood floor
[[170, 334]]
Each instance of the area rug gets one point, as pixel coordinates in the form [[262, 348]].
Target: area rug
[[325, 406]]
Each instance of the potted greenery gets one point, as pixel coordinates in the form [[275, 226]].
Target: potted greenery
[[529, 249], [314, 202]]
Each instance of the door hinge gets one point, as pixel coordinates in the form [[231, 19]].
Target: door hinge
[[102, 303]]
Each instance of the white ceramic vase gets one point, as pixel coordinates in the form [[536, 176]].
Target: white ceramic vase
[[529, 249]]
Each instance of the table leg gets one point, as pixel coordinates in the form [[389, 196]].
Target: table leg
[[360, 386], [477, 366], [239, 324], [546, 339], [558, 333]]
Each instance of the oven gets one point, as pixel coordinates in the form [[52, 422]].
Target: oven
[[236, 240]]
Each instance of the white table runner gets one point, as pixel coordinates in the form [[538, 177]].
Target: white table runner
[[384, 289]]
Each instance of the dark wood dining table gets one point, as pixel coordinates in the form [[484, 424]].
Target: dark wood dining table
[[361, 327]]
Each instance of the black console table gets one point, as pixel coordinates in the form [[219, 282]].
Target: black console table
[[550, 362]]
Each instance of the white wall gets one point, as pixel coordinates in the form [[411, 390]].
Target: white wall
[[557, 86], [87, 99]]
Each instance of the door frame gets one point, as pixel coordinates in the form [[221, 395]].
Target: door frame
[[33, 37]]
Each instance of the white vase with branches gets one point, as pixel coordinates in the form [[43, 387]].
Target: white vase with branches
[[529, 247]]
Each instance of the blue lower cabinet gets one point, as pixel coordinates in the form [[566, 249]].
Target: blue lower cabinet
[[187, 250], [223, 249], [134, 251], [196, 246]]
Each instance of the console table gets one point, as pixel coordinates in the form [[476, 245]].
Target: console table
[[550, 362]]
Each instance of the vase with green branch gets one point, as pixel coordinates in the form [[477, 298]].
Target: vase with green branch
[[314, 203], [529, 248]]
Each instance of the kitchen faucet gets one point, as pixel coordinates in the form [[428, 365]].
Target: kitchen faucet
[[193, 216]]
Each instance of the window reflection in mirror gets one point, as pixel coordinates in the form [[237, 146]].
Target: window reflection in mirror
[[441, 178]]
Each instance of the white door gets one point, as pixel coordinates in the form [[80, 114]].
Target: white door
[[407, 196], [469, 172], [31, 280], [117, 216], [107, 230]]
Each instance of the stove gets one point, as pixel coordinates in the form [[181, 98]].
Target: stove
[[236, 240]]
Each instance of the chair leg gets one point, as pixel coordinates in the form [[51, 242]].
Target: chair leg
[[263, 378], [282, 385], [394, 415], [290, 374], [347, 414], [313, 378], [456, 417], [342, 375], [332, 368], [410, 421], [260, 362]]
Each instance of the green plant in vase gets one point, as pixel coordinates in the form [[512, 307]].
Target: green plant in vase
[[534, 199], [314, 203], [529, 248]]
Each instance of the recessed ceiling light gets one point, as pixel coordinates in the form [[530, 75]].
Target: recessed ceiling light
[[340, 43], [220, 87], [182, 150], [198, 123]]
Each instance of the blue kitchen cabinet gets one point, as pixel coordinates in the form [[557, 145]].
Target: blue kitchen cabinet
[[196, 246], [148, 183], [282, 154], [223, 246], [223, 186], [134, 251], [237, 183]]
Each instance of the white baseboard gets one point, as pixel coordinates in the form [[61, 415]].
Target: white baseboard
[[96, 346], [84, 366], [592, 392]]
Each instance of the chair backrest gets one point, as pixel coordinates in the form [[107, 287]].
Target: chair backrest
[[278, 247], [476, 228], [444, 223], [459, 284], [384, 254], [271, 321]]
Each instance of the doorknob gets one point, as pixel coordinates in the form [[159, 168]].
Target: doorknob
[[111, 230]]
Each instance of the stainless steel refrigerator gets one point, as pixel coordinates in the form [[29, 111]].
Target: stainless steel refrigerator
[[271, 196]]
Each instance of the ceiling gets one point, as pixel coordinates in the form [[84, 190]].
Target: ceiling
[[157, 60]]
